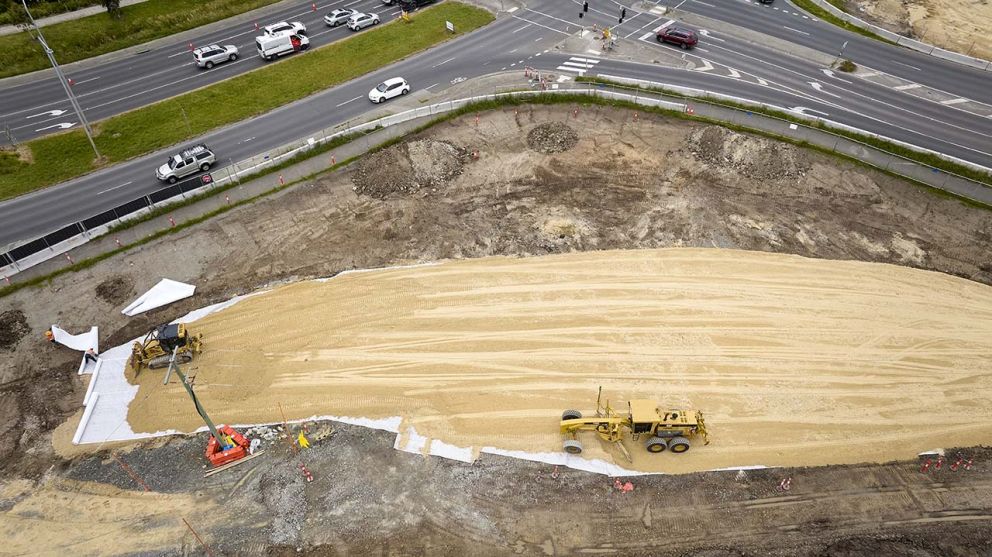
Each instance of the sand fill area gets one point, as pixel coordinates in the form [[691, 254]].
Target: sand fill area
[[795, 361]]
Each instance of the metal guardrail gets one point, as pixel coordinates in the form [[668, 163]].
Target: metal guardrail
[[918, 46], [51, 245]]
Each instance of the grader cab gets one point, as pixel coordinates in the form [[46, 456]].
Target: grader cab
[[664, 429], [156, 349]]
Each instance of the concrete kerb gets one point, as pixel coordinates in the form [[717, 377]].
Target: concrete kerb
[[177, 39], [906, 41], [396, 125]]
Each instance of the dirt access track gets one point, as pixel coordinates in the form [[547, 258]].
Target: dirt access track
[[601, 179], [957, 25]]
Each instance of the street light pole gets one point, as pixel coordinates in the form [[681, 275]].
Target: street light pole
[[65, 83]]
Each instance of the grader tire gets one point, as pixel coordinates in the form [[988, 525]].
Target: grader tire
[[679, 445], [572, 446], [571, 415], [656, 445]]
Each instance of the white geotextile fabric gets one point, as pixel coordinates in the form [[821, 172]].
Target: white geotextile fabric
[[81, 342], [165, 292]]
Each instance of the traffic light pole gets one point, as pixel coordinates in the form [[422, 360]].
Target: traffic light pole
[[62, 79]]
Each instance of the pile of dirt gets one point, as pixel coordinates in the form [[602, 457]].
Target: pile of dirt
[[13, 327], [409, 168], [748, 155], [116, 290], [553, 137]]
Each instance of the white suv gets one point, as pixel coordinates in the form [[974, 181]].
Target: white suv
[[388, 89], [293, 27], [198, 157], [209, 56]]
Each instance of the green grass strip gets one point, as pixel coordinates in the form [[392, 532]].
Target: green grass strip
[[819, 12], [881, 144], [482, 106], [93, 35], [60, 157]]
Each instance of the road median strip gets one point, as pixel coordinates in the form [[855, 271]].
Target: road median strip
[[64, 156]]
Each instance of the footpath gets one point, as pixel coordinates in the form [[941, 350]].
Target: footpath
[[67, 16]]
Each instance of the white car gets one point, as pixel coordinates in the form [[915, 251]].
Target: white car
[[293, 27], [339, 16], [361, 21], [388, 89]]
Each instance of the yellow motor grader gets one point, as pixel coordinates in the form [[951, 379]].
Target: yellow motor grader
[[156, 349], [665, 429]]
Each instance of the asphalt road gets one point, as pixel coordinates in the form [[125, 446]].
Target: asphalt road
[[527, 36]]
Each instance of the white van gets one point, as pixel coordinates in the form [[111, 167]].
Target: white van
[[271, 46]]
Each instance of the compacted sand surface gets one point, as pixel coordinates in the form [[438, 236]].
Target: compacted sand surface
[[795, 361]]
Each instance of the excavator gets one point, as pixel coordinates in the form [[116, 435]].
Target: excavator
[[666, 429], [158, 346]]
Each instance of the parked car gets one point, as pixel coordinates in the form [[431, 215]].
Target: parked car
[[766, 1], [209, 56], [685, 38], [339, 16], [410, 5], [361, 21], [388, 89], [196, 158], [293, 27], [270, 47]]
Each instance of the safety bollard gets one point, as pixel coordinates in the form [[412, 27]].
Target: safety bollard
[[191, 47], [689, 110], [575, 113], [256, 26], [172, 221], [476, 119], [67, 256], [282, 182], [313, 6], [7, 280], [926, 466], [118, 242], [227, 198], [333, 161]]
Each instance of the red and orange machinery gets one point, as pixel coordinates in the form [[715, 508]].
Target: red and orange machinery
[[226, 445]]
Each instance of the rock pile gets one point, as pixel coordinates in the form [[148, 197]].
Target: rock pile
[[553, 137], [753, 157], [417, 166]]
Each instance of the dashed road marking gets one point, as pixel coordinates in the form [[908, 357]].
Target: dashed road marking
[[954, 101], [907, 87]]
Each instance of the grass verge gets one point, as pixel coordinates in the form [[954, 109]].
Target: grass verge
[[549, 99], [905, 152], [93, 35], [819, 12], [59, 157]]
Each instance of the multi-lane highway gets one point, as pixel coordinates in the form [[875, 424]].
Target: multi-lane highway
[[949, 115]]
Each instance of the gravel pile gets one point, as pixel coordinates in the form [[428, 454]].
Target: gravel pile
[[553, 137], [409, 168], [753, 157], [13, 326]]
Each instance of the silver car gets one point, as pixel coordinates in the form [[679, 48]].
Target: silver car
[[339, 16], [198, 157], [361, 21], [209, 56]]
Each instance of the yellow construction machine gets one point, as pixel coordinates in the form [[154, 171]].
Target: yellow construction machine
[[665, 429], [156, 350]]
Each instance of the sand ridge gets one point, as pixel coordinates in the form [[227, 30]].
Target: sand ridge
[[795, 361]]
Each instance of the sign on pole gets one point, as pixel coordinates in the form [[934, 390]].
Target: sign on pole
[[450, 26]]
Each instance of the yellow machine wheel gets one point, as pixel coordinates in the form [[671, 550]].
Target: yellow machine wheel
[[656, 445], [572, 446], [679, 445]]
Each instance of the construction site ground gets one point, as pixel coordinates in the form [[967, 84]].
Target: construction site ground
[[520, 182]]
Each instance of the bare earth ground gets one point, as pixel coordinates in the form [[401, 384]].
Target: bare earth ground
[[624, 184], [957, 25]]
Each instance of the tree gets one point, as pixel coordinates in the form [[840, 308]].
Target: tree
[[113, 8]]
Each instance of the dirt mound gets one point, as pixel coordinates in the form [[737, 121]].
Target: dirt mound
[[553, 137], [115, 290], [13, 327], [750, 156], [409, 168]]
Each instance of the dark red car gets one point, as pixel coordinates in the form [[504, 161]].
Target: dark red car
[[686, 38]]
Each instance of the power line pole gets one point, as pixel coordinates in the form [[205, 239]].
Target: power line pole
[[65, 84]]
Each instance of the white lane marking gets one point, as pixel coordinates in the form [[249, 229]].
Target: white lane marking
[[62, 126], [538, 54], [907, 65], [445, 62], [761, 81], [586, 60], [642, 27], [577, 65], [706, 66], [540, 25], [537, 39], [907, 87], [565, 21], [521, 29], [512, 51], [704, 3], [734, 73], [645, 36], [352, 3], [663, 25], [188, 53], [87, 80], [954, 101], [513, 9], [429, 86], [591, 51], [114, 188], [49, 113], [706, 33], [830, 73], [869, 74], [797, 30], [803, 110], [350, 100], [567, 69]]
